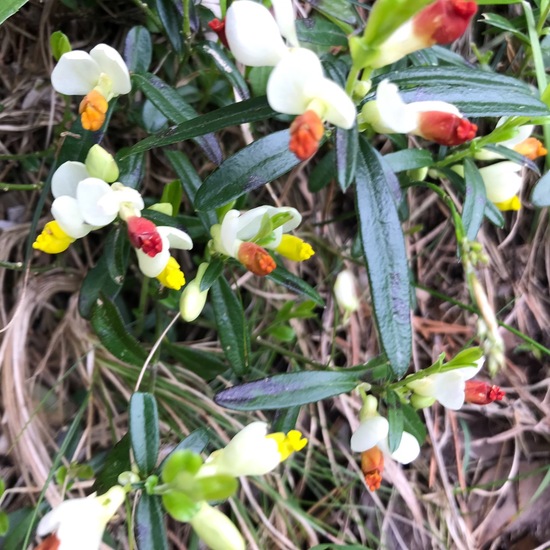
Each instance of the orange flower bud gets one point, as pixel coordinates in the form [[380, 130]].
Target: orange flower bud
[[92, 110], [445, 128], [372, 466], [531, 148], [444, 21], [144, 236], [305, 133], [482, 393], [256, 259], [218, 26], [49, 543]]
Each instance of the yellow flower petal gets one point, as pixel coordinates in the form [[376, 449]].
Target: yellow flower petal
[[511, 204], [289, 443], [294, 248], [53, 239], [172, 276]]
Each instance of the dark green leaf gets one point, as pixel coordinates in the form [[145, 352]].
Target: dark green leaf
[[283, 277], [116, 462], [20, 523], [170, 103], [196, 441], [132, 168], [386, 258], [249, 110], [172, 194], [408, 159], [150, 528], [226, 67], [413, 424], [347, 144], [540, 196], [213, 271], [323, 173], [514, 156], [341, 10], [231, 321], [206, 364], [113, 334], [138, 49], [257, 164], [320, 31], [395, 419], [172, 21], [285, 419], [475, 200], [117, 250], [504, 24], [476, 93], [290, 390], [144, 431]]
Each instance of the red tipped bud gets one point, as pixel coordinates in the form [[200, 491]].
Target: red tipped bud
[[372, 466], [144, 236], [305, 133], [256, 259], [444, 21], [49, 543], [218, 26], [445, 128], [481, 393]]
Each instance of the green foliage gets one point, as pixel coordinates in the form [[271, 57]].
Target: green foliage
[[144, 431]]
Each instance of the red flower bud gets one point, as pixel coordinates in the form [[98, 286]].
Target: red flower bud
[[444, 21], [218, 26], [445, 128], [372, 466], [482, 393], [144, 236], [305, 133], [49, 543], [256, 259]]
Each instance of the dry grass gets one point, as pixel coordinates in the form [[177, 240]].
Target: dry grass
[[474, 483]]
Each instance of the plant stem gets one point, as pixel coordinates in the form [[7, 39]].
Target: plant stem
[[20, 186]]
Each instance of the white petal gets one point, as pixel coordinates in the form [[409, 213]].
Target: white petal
[[176, 237], [340, 109], [438, 106], [96, 201], [214, 7], [228, 233], [287, 88], [67, 213], [249, 222], [151, 267], [112, 64], [67, 177], [369, 433], [523, 132], [76, 73], [449, 389], [407, 450], [216, 530], [345, 291], [126, 195], [470, 372], [253, 35], [502, 180], [286, 20], [395, 116]]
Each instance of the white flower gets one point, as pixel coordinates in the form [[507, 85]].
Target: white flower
[[216, 530], [435, 120], [446, 387], [78, 72], [84, 203], [503, 180], [79, 523], [345, 291], [373, 431]]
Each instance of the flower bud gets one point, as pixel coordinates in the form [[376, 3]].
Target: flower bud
[[218, 26], [445, 128], [345, 291], [144, 236], [93, 109], [256, 259], [100, 164], [216, 530], [306, 132], [421, 402], [482, 393], [192, 299], [372, 466]]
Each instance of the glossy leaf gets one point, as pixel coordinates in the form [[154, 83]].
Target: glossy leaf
[[116, 462], [144, 431], [475, 200], [132, 169], [347, 144], [413, 424], [172, 21], [259, 163], [196, 441], [231, 321], [213, 271], [323, 173], [540, 196], [283, 277], [395, 419], [386, 258], [408, 159], [150, 527], [206, 364], [475, 92], [340, 10], [138, 49], [113, 334], [250, 110], [320, 31]]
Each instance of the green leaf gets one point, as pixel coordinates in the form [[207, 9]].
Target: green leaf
[[341, 10], [170, 103], [20, 523], [196, 441], [172, 194], [2, 487], [283, 277], [412, 423], [285, 419], [225, 66], [132, 168], [138, 49], [144, 430], [9, 7], [257, 164], [113, 334], [408, 159], [476, 93], [319, 31], [540, 196], [386, 258], [499, 22], [117, 251], [172, 21], [182, 460], [347, 144], [4, 523], [59, 44], [249, 110], [282, 333], [395, 419], [323, 173], [475, 200], [212, 273], [206, 364], [232, 330], [116, 462], [292, 389], [150, 528]]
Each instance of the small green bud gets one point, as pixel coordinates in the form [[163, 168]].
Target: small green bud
[[163, 207], [421, 402], [100, 164], [192, 299], [59, 44], [128, 478]]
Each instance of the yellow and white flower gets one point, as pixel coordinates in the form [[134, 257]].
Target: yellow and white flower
[[216, 530]]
